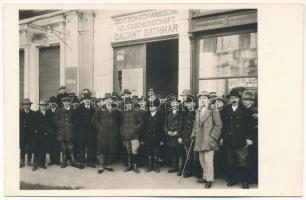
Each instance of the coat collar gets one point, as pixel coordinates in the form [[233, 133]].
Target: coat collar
[[207, 113]]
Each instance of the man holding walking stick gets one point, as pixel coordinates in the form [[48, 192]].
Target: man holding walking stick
[[206, 133]]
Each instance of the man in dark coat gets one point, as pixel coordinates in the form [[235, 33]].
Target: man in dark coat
[[131, 124], [187, 126], [54, 145], [42, 131], [174, 142], [153, 135], [85, 134], [236, 138], [62, 120], [106, 122], [248, 101], [25, 132]]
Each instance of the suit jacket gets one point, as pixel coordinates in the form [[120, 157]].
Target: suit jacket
[[62, 120], [42, 124], [207, 130], [25, 127], [154, 132], [187, 127], [131, 124], [173, 122], [236, 126]]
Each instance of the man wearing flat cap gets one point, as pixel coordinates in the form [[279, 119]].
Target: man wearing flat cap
[[206, 133], [62, 120], [236, 138], [106, 122], [131, 124], [61, 93], [42, 132], [26, 132]]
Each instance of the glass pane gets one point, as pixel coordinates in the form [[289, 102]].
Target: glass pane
[[248, 83], [233, 55], [217, 85]]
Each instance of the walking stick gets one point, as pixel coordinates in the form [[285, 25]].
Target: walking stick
[[187, 158]]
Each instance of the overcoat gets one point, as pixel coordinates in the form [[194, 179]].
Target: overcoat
[[154, 132], [107, 125], [62, 120], [173, 122], [42, 131], [187, 127], [207, 130], [236, 126], [84, 130], [25, 128]]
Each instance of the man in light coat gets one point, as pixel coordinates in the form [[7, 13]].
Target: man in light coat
[[206, 133]]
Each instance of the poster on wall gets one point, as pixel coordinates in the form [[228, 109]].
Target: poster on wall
[[132, 79], [71, 79]]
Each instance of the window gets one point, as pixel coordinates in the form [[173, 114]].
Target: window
[[228, 61]]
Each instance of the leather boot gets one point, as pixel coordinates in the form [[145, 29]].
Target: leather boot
[[149, 168], [64, 160], [129, 164], [180, 166], [135, 161], [101, 160]]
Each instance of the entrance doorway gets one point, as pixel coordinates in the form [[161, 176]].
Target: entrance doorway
[[162, 67], [21, 75], [49, 71]]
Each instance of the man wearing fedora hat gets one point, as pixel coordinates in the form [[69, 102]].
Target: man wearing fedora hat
[[26, 132], [174, 142], [236, 138], [54, 145], [84, 134], [62, 120], [106, 122], [42, 132], [131, 124]]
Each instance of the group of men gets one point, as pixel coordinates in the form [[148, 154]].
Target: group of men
[[194, 136]]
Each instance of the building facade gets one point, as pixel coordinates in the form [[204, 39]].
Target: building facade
[[110, 50]]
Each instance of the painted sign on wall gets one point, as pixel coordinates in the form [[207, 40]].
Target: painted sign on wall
[[142, 25]]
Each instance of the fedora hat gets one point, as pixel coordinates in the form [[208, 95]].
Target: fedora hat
[[44, 102], [26, 102]]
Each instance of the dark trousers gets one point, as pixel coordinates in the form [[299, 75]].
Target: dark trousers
[[55, 151], [40, 147], [190, 161], [237, 163], [26, 149]]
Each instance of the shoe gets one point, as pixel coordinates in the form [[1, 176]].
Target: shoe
[[201, 180], [172, 170], [43, 167], [179, 173], [21, 164], [187, 174], [109, 169], [100, 171], [149, 169], [231, 183], [63, 165], [34, 168], [128, 168], [156, 169], [135, 168], [208, 184], [245, 185], [81, 166], [50, 163]]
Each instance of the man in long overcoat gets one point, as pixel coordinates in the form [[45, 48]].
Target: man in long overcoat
[[106, 122], [206, 132], [62, 120], [41, 135], [85, 134], [236, 138], [25, 132]]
